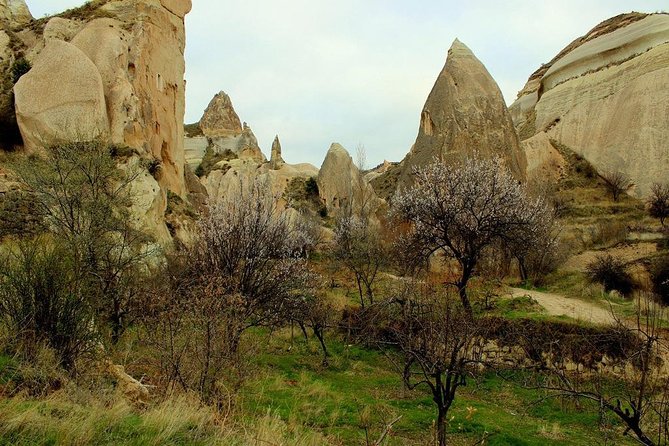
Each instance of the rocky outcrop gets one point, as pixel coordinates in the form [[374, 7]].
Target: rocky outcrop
[[464, 112], [545, 164], [606, 96], [14, 13], [60, 28], [114, 70], [224, 132], [342, 186], [75, 109], [225, 153], [137, 49], [219, 118], [276, 161]]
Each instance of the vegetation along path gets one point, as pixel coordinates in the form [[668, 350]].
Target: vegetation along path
[[558, 305]]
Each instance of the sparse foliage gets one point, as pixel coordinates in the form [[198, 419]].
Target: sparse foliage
[[658, 202], [616, 182], [83, 197], [358, 246], [441, 346], [639, 396], [466, 209], [659, 274], [44, 303]]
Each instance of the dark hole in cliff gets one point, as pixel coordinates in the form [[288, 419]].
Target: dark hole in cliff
[[10, 136], [131, 69]]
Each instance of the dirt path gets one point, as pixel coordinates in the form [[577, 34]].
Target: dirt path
[[558, 305]]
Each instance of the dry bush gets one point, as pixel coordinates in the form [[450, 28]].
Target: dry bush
[[44, 302], [658, 202], [608, 233], [659, 275], [616, 182], [244, 270], [611, 273]]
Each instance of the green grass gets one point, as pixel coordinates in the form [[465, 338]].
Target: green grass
[[363, 388], [289, 398]]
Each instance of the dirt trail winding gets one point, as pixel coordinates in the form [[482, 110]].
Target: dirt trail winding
[[558, 305]]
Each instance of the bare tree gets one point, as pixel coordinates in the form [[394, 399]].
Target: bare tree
[[616, 182], [361, 157], [83, 197], [658, 202], [468, 208], [254, 249], [641, 403], [441, 346], [359, 246]]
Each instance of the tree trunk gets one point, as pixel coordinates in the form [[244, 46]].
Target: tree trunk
[[441, 427], [359, 282], [462, 289], [467, 270], [318, 331]]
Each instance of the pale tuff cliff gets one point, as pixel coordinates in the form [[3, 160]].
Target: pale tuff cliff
[[465, 112], [606, 96], [112, 70]]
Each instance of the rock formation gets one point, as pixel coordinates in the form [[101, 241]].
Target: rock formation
[[464, 112], [220, 118], [545, 164], [14, 13], [223, 133], [75, 108], [276, 161], [225, 153], [137, 49], [342, 186], [114, 70], [606, 97]]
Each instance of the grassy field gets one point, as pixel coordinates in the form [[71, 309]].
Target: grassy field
[[291, 399]]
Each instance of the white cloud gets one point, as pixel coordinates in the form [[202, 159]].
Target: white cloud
[[318, 71]]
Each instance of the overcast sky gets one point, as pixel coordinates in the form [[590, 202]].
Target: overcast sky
[[358, 71]]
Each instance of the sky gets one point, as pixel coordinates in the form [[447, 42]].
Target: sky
[[358, 72]]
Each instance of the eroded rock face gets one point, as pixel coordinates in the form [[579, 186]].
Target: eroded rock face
[[120, 77], [464, 112], [15, 13], [341, 185], [545, 164], [606, 96], [76, 109]]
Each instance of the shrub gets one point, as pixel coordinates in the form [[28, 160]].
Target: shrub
[[43, 302], [617, 183], [660, 278], [658, 203], [20, 67], [611, 273]]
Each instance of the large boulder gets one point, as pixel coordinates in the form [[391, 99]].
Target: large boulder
[[465, 112], [61, 97], [106, 43], [342, 186], [15, 13], [60, 28], [606, 96]]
